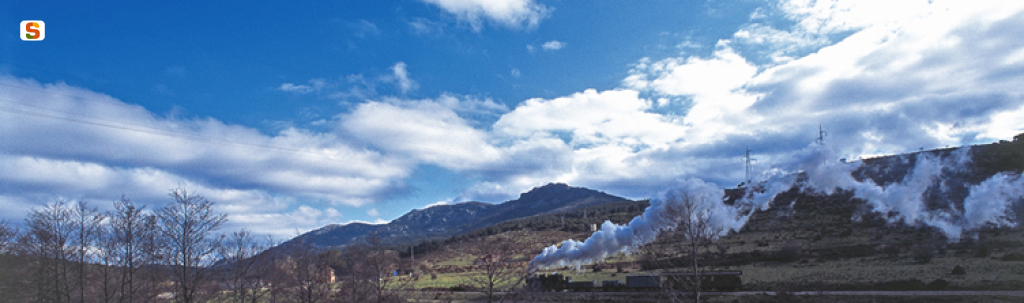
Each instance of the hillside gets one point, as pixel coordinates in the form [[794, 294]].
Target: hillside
[[443, 221], [832, 242], [803, 242]]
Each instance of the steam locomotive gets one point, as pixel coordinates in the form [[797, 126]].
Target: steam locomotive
[[716, 280]]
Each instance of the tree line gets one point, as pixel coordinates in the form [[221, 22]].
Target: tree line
[[73, 252]]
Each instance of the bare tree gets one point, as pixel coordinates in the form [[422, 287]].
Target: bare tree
[[107, 269], [12, 281], [187, 226], [48, 243], [238, 254], [8, 234], [310, 279], [128, 230], [694, 232], [271, 271], [153, 258], [369, 272], [494, 260], [88, 226]]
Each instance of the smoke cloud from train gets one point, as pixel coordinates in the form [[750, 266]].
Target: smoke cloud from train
[[930, 180]]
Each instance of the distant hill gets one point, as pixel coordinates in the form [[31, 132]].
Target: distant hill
[[444, 221]]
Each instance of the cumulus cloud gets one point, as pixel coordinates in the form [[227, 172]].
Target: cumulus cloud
[[927, 75], [877, 88], [400, 77], [357, 87], [315, 84], [553, 45], [592, 118], [508, 13], [423, 130], [96, 147]]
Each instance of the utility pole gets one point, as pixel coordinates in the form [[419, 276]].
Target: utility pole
[[747, 160], [412, 252]]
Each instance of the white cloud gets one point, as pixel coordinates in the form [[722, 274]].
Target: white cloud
[[315, 84], [779, 45], [363, 28], [297, 88], [422, 26], [400, 77], [713, 84], [438, 203], [553, 45], [721, 74], [878, 89], [833, 16], [98, 145], [592, 117], [922, 77], [356, 87], [508, 13], [372, 212], [32, 181], [423, 130], [926, 76]]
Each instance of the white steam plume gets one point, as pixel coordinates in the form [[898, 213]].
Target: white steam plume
[[988, 202]]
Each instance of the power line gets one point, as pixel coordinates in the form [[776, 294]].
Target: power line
[[155, 131], [65, 95]]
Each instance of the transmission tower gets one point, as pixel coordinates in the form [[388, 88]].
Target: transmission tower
[[821, 135], [747, 160]]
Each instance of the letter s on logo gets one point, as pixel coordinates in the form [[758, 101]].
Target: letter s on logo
[[31, 29]]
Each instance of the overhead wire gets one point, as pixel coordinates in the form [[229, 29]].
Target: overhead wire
[[147, 130], [64, 116]]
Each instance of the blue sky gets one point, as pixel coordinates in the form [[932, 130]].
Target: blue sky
[[294, 116]]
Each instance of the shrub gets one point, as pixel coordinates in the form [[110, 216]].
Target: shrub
[[938, 284], [982, 251], [788, 253], [959, 270], [846, 233], [892, 251], [923, 253], [1013, 257]]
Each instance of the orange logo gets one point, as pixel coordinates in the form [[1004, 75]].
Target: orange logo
[[33, 30]]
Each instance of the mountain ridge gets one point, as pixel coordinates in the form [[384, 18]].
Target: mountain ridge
[[447, 220]]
